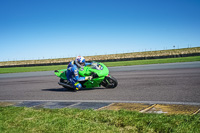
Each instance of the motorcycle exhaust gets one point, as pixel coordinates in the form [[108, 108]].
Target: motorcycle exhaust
[[65, 85]]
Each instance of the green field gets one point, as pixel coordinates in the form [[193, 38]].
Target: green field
[[20, 120], [109, 64], [153, 61]]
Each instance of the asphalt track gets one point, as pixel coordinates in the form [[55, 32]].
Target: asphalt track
[[158, 83]]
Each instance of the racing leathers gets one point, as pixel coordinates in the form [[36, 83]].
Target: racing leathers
[[73, 76]]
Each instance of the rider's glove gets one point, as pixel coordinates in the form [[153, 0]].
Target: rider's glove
[[88, 78]]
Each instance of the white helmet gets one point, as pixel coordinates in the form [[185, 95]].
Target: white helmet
[[80, 61]]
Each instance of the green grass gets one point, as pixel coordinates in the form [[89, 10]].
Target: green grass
[[20, 120], [32, 69], [109, 64], [153, 61]]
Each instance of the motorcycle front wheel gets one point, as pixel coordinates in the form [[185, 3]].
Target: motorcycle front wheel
[[109, 82]]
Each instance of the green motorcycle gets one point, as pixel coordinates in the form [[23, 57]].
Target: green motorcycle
[[98, 71]]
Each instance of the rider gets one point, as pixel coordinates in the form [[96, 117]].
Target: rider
[[73, 69]]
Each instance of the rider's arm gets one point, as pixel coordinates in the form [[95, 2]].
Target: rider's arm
[[86, 64]]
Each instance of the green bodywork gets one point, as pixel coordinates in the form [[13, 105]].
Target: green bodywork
[[61, 74], [87, 71]]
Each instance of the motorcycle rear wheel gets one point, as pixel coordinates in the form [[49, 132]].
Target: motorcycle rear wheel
[[64, 81]]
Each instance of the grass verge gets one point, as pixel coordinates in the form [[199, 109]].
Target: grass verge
[[22, 119], [153, 61], [109, 64]]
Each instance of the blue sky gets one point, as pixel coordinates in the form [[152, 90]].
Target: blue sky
[[37, 29]]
